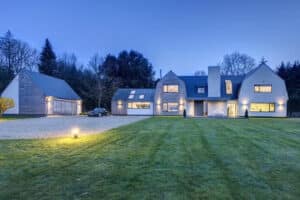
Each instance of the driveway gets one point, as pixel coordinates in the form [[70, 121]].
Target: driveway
[[56, 126]]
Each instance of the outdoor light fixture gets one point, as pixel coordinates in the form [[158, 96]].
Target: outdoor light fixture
[[75, 132]]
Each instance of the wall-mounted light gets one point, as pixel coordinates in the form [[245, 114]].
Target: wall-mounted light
[[120, 104]]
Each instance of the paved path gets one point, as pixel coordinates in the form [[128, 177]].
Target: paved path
[[46, 127]]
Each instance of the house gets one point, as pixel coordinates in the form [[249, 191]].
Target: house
[[261, 92], [133, 102], [38, 94]]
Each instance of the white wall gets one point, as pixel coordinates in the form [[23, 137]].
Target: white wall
[[141, 111], [12, 91], [214, 81], [190, 110], [263, 75], [218, 108]]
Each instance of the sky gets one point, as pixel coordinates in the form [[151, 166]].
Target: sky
[[179, 35]]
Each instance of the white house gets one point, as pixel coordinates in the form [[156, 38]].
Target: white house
[[261, 92]]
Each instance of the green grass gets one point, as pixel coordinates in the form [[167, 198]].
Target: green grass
[[159, 158]]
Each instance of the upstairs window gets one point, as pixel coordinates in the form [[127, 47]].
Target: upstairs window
[[171, 88], [131, 96], [263, 88], [200, 90], [132, 92], [141, 96], [228, 84]]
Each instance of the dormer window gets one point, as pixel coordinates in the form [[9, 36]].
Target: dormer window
[[131, 96], [200, 90], [228, 84], [263, 88], [132, 92], [141, 96]]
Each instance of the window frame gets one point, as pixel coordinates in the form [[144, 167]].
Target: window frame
[[136, 102], [166, 104], [264, 85], [200, 88], [269, 103], [167, 88], [227, 84]]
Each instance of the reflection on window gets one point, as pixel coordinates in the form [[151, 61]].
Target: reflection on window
[[228, 84], [141, 96], [132, 92], [139, 105], [201, 90], [171, 88], [262, 107], [170, 107], [263, 88]]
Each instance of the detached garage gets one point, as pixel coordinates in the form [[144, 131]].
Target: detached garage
[[133, 102], [38, 94]]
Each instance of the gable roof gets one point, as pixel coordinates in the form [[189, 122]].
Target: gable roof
[[51, 86], [123, 94], [192, 83]]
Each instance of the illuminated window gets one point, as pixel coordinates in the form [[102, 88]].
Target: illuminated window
[[139, 105], [141, 96], [262, 107], [131, 96], [263, 88], [228, 84], [201, 90], [171, 88], [170, 107]]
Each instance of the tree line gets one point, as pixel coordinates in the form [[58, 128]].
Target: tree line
[[97, 81]]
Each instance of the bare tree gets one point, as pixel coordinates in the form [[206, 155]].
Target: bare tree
[[16, 55], [95, 64], [237, 64]]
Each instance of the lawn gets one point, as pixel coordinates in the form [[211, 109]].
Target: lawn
[[159, 158]]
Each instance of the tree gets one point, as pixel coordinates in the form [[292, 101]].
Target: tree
[[237, 64], [47, 64], [5, 104]]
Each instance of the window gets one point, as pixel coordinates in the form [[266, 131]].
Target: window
[[171, 88], [141, 96], [170, 107], [262, 107], [132, 92], [263, 88], [228, 84], [201, 90], [131, 96], [139, 105]]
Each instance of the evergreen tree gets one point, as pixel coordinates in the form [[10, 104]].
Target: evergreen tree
[[48, 63]]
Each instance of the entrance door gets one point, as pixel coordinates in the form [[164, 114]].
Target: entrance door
[[198, 105], [231, 110]]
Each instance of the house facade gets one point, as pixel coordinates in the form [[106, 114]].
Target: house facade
[[38, 94], [261, 92]]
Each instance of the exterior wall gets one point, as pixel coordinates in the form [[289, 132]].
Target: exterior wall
[[62, 106], [119, 109], [12, 91], [162, 97], [217, 108], [141, 111], [263, 75], [190, 111], [214, 82], [31, 98]]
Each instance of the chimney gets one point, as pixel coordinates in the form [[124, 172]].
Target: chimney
[[214, 81]]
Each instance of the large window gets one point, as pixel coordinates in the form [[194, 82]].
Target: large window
[[170, 107], [139, 105], [262, 107], [171, 88], [228, 84], [263, 88]]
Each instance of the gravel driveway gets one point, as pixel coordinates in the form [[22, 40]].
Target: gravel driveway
[[56, 126]]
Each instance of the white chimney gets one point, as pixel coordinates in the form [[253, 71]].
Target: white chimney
[[214, 81]]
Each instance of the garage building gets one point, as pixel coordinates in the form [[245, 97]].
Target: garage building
[[39, 94], [133, 102]]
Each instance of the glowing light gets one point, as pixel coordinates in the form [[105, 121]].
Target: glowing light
[[75, 132], [120, 104]]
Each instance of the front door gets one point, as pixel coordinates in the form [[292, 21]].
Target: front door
[[198, 105], [231, 110]]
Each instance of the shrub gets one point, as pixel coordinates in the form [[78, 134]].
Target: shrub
[[246, 113], [5, 104]]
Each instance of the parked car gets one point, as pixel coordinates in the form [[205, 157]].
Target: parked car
[[97, 112]]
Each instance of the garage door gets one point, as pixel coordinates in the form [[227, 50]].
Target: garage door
[[64, 107]]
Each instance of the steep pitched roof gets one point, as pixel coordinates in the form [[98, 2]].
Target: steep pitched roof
[[123, 94], [192, 84], [51, 86]]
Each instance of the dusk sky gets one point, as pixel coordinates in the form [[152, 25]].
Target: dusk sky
[[184, 36]]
